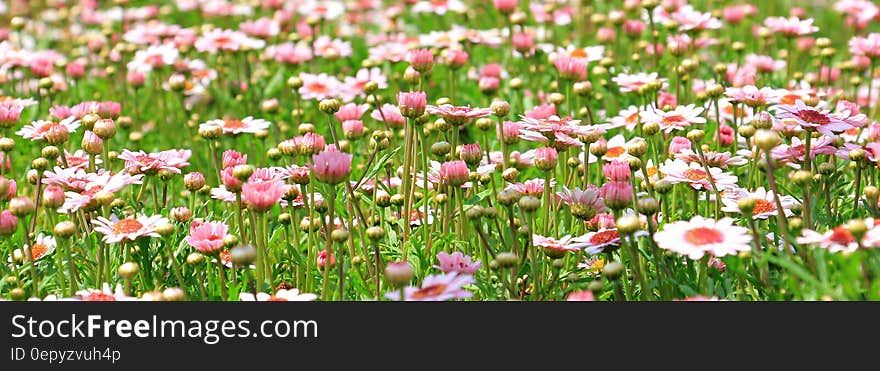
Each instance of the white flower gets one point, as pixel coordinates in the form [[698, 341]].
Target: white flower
[[700, 236]]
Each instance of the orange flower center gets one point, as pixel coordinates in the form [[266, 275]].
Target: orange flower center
[[275, 298], [703, 236], [318, 87], [675, 119], [789, 99], [429, 291], [842, 236], [615, 151], [233, 124], [225, 256], [813, 117], [695, 174], [98, 296], [127, 225], [651, 170], [763, 206], [38, 250], [579, 53], [632, 119], [604, 237]]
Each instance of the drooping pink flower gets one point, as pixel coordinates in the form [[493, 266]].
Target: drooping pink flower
[[412, 104], [454, 173], [331, 166], [457, 262], [260, 196], [208, 237]]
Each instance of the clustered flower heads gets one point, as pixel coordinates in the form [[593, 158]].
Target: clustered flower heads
[[334, 150]]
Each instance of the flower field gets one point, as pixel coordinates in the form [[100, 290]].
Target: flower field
[[269, 150]]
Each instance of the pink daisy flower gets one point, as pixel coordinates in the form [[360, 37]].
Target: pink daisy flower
[[790, 27], [765, 202], [439, 287], [151, 163], [701, 236], [693, 174], [457, 262], [233, 126], [37, 130], [280, 295], [811, 118], [129, 229], [679, 118], [321, 86]]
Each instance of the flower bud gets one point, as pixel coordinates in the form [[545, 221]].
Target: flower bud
[[242, 255], [767, 139], [398, 273], [613, 270], [128, 270]]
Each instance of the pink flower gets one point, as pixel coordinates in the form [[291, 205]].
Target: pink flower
[[208, 237], [322, 258], [458, 115], [617, 195], [541, 112], [454, 173], [151, 163], [812, 119], [505, 6], [390, 115], [790, 26], [321, 86], [571, 68], [457, 262], [531, 187], [262, 28], [351, 111], [616, 171], [412, 104], [584, 204], [8, 223], [353, 129], [128, 229], [633, 27], [546, 158], [232, 158], [10, 112], [39, 130], [556, 248], [331, 166], [421, 60], [437, 288], [260, 196], [235, 126], [678, 144], [581, 295]]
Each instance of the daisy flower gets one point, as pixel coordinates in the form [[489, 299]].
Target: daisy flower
[[235, 127], [616, 149], [632, 82], [721, 160], [438, 287], [693, 174], [42, 247], [751, 95], [790, 27], [628, 118], [457, 115], [37, 130], [457, 262], [280, 295], [605, 239], [810, 118], [556, 248], [701, 236], [765, 202], [326, 47], [151, 163], [321, 86], [584, 204], [104, 294], [838, 239], [128, 229], [794, 153], [85, 186], [531, 187], [226, 40], [678, 119]]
